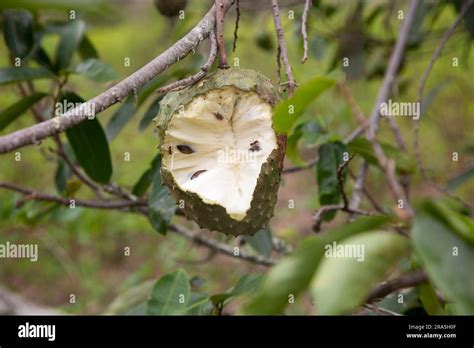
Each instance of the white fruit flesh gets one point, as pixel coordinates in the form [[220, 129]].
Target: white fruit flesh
[[216, 145]]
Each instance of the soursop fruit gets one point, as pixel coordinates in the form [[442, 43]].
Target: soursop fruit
[[221, 157]]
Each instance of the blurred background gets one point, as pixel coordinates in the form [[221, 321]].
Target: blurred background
[[82, 250]]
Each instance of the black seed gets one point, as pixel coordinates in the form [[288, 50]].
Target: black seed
[[219, 116], [169, 150], [186, 149], [255, 146], [196, 174]]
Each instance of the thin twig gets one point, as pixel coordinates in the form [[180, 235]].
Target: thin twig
[[140, 207], [318, 217], [282, 48], [304, 31], [384, 91], [421, 87], [220, 247], [237, 18], [403, 282], [34, 134], [178, 85], [296, 169], [380, 309], [39, 196], [386, 164], [220, 18]]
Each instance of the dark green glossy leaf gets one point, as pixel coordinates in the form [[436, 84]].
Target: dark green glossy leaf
[[170, 295], [71, 37], [90, 145], [120, 118], [18, 32], [342, 284], [261, 242], [14, 111], [199, 304], [447, 259], [150, 114], [96, 70], [330, 157], [294, 273], [18, 74], [87, 49], [161, 206], [288, 111], [142, 185]]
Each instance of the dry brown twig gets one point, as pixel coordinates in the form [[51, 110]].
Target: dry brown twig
[[304, 29], [139, 207], [384, 91], [220, 19], [386, 164], [282, 51], [237, 18]]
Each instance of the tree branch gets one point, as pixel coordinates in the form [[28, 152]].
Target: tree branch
[[220, 18], [384, 90], [177, 85], [38, 196], [140, 208], [304, 32], [282, 51], [56, 125], [406, 281], [387, 165], [237, 18]]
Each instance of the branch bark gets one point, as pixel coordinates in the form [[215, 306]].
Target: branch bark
[[282, 51], [304, 29], [56, 125]]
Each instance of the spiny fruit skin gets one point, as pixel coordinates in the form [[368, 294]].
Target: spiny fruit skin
[[213, 216]]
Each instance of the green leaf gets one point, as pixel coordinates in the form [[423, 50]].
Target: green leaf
[[461, 178], [63, 174], [330, 157], [120, 118], [96, 70], [142, 185], [71, 37], [460, 224], [404, 163], [150, 114], [14, 111], [447, 259], [87, 49], [18, 74], [430, 301], [288, 111], [90, 145], [294, 273], [261, 242], [96, 6], [343, 281], [199, 304], [18, 32], [247, 284], [161, 206], [292, 149], [170, 295]]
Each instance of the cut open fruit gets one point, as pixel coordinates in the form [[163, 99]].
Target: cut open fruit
[[217, 145], [221, 156]]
